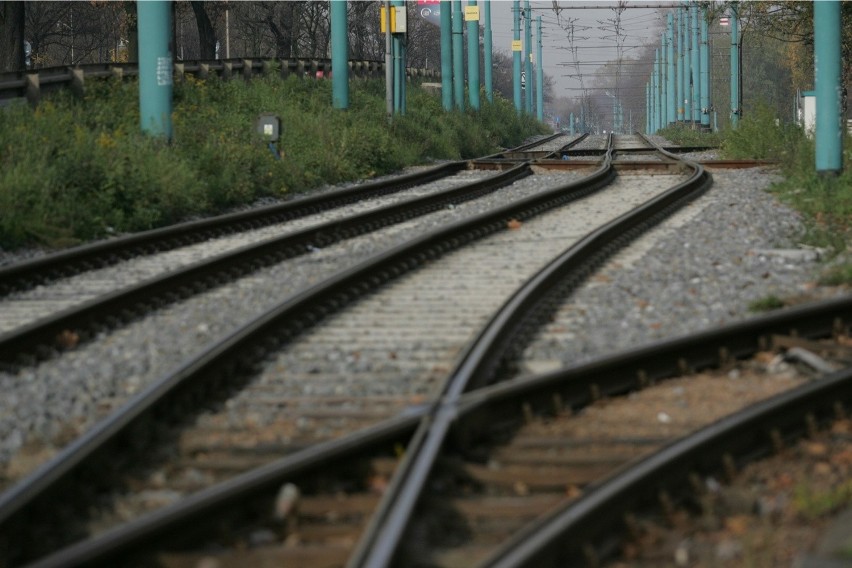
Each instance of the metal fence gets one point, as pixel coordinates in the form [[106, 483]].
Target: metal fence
[[32, 85]]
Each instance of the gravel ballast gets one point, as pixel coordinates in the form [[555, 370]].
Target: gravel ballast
[[61, 397], [701, 269]]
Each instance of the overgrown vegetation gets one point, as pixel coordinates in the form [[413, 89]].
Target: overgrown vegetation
[[824, 201], [72, 170]]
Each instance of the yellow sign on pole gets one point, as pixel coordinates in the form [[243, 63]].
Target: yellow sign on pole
[[516, 45], [398, 20], [471, 13]]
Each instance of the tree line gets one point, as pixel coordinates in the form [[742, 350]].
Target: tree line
[[98, 31]]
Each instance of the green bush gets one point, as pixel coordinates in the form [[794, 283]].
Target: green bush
[[73, 170], [824, 201], [760, 136]]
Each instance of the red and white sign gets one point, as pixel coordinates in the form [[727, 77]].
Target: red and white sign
[[724, 21]]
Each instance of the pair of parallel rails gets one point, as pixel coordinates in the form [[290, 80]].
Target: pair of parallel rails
[[452, 424]]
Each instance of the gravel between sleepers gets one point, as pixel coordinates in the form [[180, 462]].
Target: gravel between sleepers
[[710, 267]]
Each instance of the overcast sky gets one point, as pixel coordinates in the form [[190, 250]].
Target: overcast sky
[[593, 35]]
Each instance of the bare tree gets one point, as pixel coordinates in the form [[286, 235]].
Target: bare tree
[[206, 33], [364, 37], [12, 36]]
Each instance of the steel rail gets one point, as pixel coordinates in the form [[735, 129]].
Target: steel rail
[[236, 356], [254, 489], [507, 156], [531, 145], [38, 338], [581, 533], [520, 152], [571, 387], [478, 364], [30, 273]]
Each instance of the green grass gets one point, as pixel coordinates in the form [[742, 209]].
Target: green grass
[[824, 201], [813, 504], [766, 304], [840, 275], [73, 170]]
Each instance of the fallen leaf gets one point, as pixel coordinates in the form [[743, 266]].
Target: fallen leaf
[[738, 524], [843, 457], [815, 449], [68, 339], [764, 357], [378, 484]]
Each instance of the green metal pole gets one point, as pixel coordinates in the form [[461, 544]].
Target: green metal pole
[[655, 92], [527, 53], [679, 81], [473, 60], [398, 66], [671, 101], [648, 108], [687, 68], [539, 75], [664, 89], [735, 66], [388, 64], [458, 55], [704, 52], [339, 55], [488, 59], [828, 87], [155, 67], [516, 54], [447, 55], [695, 65]]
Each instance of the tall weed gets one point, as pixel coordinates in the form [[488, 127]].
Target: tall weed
[[761, 136]]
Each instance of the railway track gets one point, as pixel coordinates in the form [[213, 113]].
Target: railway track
[[39, 322], [38, 271], [493, 476], [444, 238], [318, 500]]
